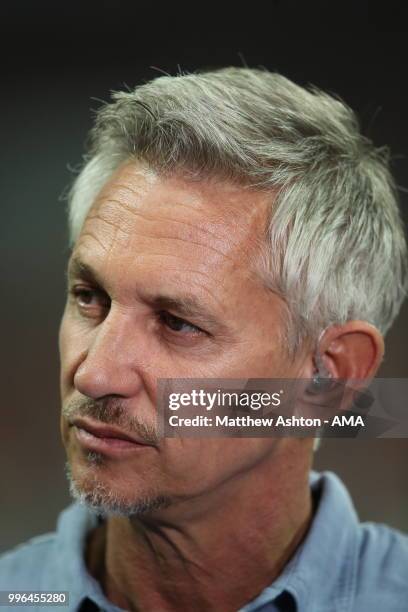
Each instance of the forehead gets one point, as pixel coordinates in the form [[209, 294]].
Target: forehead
[[211, 227]]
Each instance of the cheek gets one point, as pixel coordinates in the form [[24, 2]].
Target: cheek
[[200, 465], [72, 343]]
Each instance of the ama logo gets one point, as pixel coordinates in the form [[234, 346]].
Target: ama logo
[[348, 421]]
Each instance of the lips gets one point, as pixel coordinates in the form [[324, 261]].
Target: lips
[[106, 439], [105, 431]]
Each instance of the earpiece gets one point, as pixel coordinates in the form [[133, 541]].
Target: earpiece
[[321, 379], [320, 383]]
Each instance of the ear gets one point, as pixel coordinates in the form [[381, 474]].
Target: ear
[[351, 351]]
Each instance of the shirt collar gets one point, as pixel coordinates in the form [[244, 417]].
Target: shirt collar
[[73, 526], [325, 562], [324, 565]]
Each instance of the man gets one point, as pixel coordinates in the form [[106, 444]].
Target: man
[[229, 224]]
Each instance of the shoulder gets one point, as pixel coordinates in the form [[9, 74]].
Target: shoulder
[[364, 565], [27, 565], [53, 561], [381, 569]]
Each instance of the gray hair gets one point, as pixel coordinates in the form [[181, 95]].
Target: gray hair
[[335, 248]]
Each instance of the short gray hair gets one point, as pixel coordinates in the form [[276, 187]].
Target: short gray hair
[[336, 249]]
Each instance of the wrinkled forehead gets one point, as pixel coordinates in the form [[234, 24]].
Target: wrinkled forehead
[[137, 207]]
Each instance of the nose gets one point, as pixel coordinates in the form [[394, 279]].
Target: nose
[[111, 363]]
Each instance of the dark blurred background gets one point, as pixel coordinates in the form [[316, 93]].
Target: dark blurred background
[[57, 61]]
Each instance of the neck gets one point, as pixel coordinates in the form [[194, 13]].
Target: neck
[[216, 557]]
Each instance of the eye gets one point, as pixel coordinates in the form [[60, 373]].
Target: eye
[[89, 299], [177, 324]]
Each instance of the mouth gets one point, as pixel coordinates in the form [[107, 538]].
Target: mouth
[[101, 438]]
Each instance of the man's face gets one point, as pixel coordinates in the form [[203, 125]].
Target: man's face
[[162, 285]]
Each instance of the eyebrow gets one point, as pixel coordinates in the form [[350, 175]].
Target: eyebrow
[[77, 267], [185, 306]]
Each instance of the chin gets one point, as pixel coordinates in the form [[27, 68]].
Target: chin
[[92, 485]]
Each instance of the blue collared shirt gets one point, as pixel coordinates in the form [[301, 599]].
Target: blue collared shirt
[[341, 566]]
